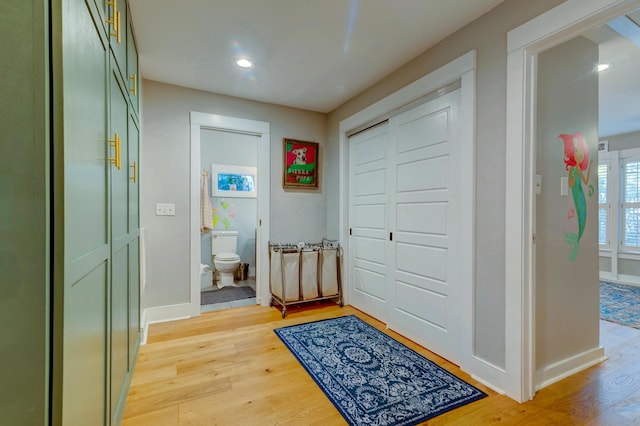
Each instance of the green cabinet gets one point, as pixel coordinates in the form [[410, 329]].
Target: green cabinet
[[96, 334], [69, 216]]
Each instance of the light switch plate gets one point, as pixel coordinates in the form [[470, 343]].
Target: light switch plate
[[564, 186], [538, 184], [165, 209]]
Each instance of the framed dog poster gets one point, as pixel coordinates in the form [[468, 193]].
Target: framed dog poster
[[300, 164]]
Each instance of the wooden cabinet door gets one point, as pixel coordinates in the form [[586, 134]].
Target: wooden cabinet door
[[134, 245], [117, 17], [119, 249], [132, 67], [82, 327]]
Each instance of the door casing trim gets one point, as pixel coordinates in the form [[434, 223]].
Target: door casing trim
[[200, 120]]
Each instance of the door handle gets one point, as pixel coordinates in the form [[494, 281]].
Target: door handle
[[116, 144], [134, 79], [135, 170]]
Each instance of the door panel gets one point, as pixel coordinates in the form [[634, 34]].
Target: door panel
[[372, 182], [368, 220], [119, 248], [422, 305], [423, 215], [427, 218], [118, 12], [83, 304], [133, 172], [85, 348], [370, 282], [119, 330], [423, 175], [119, 177], [423, 132], [134, 299], [132, 67], [134, 244]]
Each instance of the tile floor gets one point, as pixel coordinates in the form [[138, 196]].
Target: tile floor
[[250, 282]]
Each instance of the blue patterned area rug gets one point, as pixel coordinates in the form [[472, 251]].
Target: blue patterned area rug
[[371, 378], [620, 303]]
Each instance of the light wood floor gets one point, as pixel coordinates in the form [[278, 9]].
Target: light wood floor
[[229, 368]]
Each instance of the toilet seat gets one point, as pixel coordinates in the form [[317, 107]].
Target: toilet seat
[[227, 257]]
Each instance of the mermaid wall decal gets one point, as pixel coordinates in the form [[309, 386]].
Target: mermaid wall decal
[[576, 160]]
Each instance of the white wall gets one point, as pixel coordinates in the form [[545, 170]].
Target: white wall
[[164, 148], [566, 291], [488, 36]]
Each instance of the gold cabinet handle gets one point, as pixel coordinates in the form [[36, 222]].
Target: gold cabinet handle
[[114, 21], [118, 153], [118, 32], [134, 78], [116, 144], [134, 166]]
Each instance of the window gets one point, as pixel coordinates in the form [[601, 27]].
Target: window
[[619, 201], [630, 206], [603, 202]]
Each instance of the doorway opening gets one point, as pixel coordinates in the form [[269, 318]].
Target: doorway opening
[[238, 193], [527, 44], [228, 162]]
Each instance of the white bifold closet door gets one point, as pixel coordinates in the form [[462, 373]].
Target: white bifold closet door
[[403, 216]]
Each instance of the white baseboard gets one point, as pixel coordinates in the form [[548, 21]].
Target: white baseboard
[[607, 276], [568, 367], [627, 279], [488, 374], [163, 314], [620, 278]]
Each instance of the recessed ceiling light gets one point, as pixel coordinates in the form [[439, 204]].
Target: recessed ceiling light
[[602, 67], [244, 63]]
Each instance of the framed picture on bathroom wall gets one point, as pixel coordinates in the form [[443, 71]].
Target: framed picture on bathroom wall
[[233, 181], [300, 164]]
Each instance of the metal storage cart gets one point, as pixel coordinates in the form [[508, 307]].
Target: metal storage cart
[[305, 272]]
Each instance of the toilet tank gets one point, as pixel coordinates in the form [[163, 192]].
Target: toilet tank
[[224, 242]]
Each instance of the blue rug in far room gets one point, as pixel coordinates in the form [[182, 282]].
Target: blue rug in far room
[[371, 378], [620, 303]]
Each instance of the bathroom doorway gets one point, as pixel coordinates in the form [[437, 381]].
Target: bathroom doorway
[[227, 157], [223, 146]]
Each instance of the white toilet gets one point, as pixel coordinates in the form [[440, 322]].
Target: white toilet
[[225, 259]]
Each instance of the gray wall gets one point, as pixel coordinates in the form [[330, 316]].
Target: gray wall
[[165, 151], [24, 213], [567, 294], [488, 36], [623, 141], [236, 150]]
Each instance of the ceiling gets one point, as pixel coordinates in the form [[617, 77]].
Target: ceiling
[[619, 86], [313, 55]]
